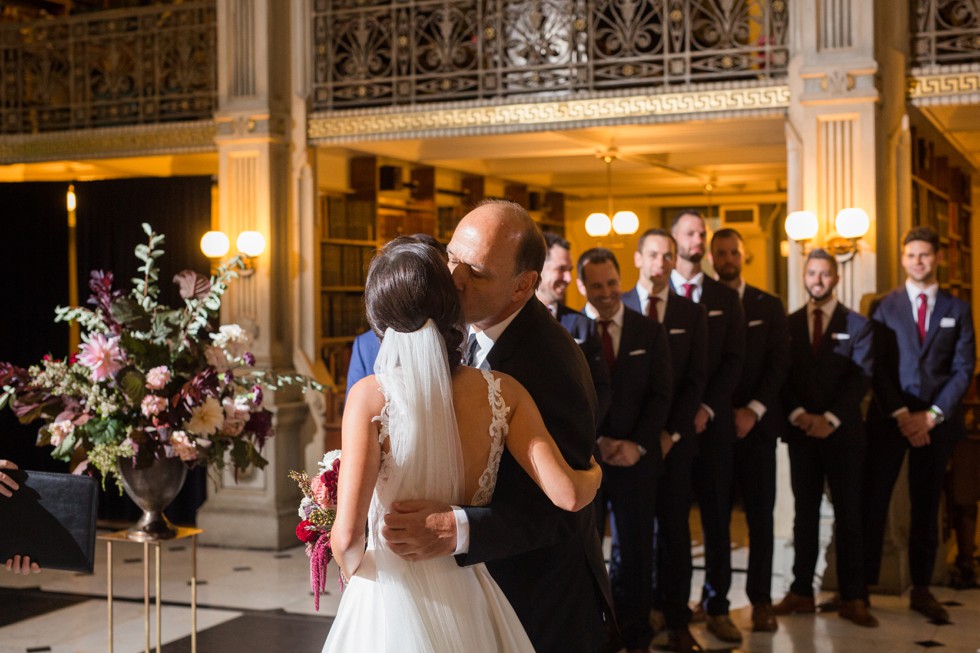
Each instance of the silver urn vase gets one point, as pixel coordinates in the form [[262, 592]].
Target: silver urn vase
[[152, 489]]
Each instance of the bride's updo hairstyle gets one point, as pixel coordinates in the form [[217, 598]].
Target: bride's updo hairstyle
[[408, 283]]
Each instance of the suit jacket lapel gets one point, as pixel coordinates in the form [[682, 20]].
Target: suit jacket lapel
[[943, 302], [836, 324], [513, 334]]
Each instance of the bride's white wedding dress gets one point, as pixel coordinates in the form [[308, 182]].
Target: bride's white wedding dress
[[433, 606]]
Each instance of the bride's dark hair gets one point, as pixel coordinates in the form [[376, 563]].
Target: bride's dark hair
[[408, 283]]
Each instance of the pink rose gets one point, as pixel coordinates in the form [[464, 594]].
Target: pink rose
[[152, 405], [320, 490], [157, 378]]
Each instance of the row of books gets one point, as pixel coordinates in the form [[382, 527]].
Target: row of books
[[342, 314], [344, 265], [393, 223], [348, 218]]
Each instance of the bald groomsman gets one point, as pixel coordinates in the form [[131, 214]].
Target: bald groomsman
[[715, 422], [924, 360], [758, 416], [687, 337]]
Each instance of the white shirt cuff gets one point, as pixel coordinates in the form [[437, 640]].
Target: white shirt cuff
[[903, 409], [832, 419], [758, 408], [796, 413], [462, 531], [711, 413], [675, 437]]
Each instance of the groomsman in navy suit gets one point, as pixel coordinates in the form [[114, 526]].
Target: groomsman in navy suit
[[925, 354], [829, 377], [687, 335], [555, 277], [715, 421], [758, 416], [635, 351]]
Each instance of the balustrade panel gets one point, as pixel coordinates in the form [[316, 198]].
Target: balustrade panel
[[945, 32]]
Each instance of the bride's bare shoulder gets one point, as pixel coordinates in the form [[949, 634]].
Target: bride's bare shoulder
[[365, 396]]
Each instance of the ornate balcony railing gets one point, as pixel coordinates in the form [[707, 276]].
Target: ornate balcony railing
[[127, 67], [381, 53], [945, 32]]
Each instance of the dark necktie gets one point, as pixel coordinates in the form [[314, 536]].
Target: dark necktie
[[817, 329], [554, 310], [689, 291], [607, 344], [652, 309], [921, 316], [471, 348]]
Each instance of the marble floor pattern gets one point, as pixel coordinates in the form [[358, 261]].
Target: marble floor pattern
[[261, 601]]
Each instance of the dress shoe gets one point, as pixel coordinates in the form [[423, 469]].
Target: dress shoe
[[722, 627], [763, 618], [682, 641], [922, 601], [698, 614], [794, 604], [857, 612], [658, 622]]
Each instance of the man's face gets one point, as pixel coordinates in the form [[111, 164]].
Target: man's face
[[819, 278], [655, 261], [482, 261], [690, 234], [601, 287], [726, 255], [919, 261], [555, 275]]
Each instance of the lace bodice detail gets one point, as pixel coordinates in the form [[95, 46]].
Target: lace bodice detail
[[498, 434]]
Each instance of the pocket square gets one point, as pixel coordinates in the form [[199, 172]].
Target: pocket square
[[578, 341], [674, 332], [715, 313], [947, 322], [755, 323], [638, 352], [840, 336]]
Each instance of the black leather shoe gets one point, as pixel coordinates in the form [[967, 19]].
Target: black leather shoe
[[682, 641], [922, 601]]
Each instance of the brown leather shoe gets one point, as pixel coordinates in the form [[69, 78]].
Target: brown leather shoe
[[698, 614], [682, 641], [763, 618], [722, 627], [922, 601], [794, 604], [658, 622], [857, 612]]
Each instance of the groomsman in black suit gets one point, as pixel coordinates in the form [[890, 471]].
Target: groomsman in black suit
[[925, 353], [687, 336], [829, 376], [758, 416], [547, 561], [715, 422], [635, 351], [556, 274]]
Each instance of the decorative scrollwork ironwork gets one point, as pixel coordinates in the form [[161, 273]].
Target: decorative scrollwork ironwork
[[127, 67], [373, 53], [945, 32]]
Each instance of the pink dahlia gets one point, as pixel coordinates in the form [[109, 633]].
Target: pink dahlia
[[157, 378], [102, 355]]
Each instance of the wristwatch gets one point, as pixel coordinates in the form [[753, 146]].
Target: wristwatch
[[937, 415]]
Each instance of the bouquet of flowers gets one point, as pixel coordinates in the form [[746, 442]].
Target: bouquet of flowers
[[317, 512], [149, 381]]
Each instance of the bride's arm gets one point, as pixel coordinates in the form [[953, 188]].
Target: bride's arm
[[536, 452], [360, 460]]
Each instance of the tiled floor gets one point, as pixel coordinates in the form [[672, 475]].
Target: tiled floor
[[260, 601]]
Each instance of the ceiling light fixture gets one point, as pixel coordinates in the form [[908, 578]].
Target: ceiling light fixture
[[623, 223]]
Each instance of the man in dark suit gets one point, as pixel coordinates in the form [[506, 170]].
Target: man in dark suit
[[758, 417], [556, 274], [829, 376], [924, 360], [547, 561], [635, 351], [714, 421], [687, 336]]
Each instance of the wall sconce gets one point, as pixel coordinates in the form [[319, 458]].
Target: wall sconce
[[623, 223], [851, 224], [250, 245]]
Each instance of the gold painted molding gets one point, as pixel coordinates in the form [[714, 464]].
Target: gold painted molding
[[143, 140], [954, 85], [467, 119]]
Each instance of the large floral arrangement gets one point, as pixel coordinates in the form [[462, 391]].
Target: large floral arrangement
[[317, 512], [149, 381]]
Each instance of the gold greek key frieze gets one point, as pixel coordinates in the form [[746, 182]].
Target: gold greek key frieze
[[144, 140], [963, 85], [352, 125]]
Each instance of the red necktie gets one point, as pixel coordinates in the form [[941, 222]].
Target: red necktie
[[652, 309], [689, 291], [921, 317], [607, 344], [817, 329]]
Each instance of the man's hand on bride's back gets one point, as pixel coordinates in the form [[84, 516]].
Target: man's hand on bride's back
[[420, 530]]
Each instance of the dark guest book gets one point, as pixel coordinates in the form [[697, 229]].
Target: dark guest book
[[51, 518]]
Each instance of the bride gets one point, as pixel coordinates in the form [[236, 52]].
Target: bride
[[426, 427]]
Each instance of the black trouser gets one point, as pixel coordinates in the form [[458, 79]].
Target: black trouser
[[755, 479], [672, 539], [927, 472], [839, 460], [629, 494], [713, 474]]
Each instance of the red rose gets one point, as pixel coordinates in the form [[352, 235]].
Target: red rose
[[306, 532]]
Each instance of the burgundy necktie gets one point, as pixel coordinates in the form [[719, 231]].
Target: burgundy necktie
[[689, 291], [817, 329], [652, 309], [921, 316], [607, 344]]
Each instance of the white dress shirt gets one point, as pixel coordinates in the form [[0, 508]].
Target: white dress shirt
[[644, 296], [678, 280], [914, 291], [615, 325]]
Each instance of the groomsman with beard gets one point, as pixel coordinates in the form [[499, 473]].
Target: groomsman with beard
[[714, 422], [687, 336], [635, 351], [758, 417]]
